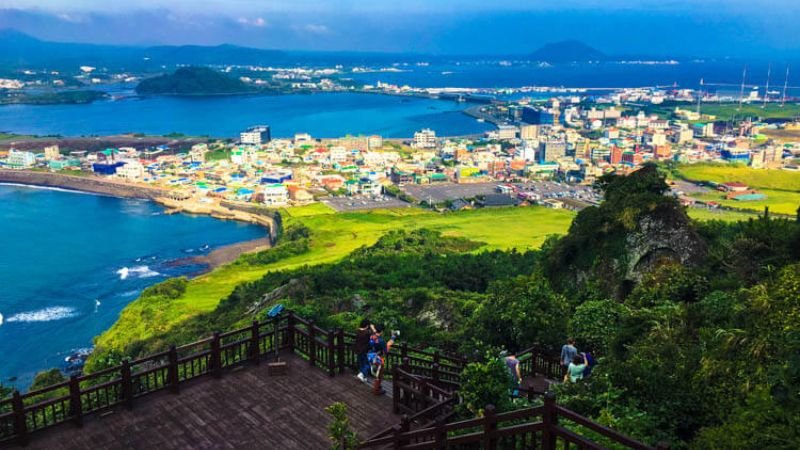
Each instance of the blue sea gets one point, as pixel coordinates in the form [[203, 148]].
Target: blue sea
[[321, 115], [70, 262]]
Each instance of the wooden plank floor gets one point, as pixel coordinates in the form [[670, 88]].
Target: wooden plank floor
[[244, 409]]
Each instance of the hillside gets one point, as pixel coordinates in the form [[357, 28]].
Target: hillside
[[192, 81], [696, 326], [568, 51]]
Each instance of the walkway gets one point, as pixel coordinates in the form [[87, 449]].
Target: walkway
[[244, 409]]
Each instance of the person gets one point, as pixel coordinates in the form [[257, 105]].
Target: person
[[590, 363], [568, 352], [514, 374], [361, 348], [576, 368], [378, 349]]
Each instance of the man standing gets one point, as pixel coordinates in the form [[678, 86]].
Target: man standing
[[361, 347], [568, 352], [514, 374]]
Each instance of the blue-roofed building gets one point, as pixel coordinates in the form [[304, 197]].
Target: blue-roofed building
[[741, 155], [106, 169]]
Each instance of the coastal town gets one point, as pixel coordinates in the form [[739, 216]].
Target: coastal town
[[546, 152]]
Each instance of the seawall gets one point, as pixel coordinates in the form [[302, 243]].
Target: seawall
[[91, 184]]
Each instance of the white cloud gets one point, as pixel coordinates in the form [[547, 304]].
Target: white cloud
[[257, 22]]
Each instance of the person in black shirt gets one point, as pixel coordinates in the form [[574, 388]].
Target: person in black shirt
[[361, 347]]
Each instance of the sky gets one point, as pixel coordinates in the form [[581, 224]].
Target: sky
[[702, 28]]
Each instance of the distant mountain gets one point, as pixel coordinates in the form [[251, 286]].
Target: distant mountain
[[19, 50], [568, 51], [193, 81]]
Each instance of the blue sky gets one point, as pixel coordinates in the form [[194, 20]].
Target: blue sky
[[668, 27]]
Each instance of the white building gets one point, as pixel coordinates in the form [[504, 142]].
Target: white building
[[198, 152], [132, 171], [506, 132], [424, 139], [20, 160], [275, 194], [257, 135], [52, 152]]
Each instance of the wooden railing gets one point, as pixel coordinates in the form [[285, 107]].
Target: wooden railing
[[545, 427], [424, 388], [329, 350]]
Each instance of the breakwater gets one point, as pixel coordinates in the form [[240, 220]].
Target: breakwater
[[87, 183]]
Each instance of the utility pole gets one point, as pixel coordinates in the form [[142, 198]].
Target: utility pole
[[741, 93], [766, 88], [785, 87]]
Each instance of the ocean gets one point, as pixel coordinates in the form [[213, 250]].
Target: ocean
[[70, 262], [321, 115]]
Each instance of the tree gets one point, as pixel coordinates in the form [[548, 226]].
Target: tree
[[340, 432], [485, 383]]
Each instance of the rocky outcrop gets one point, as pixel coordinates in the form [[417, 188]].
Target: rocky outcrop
[[660, 240]]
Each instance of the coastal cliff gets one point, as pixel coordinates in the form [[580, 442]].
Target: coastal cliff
[[80, 183]]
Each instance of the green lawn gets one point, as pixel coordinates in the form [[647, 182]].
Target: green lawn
[[703, 214], [333, 237], [757, 178], [782, 187]]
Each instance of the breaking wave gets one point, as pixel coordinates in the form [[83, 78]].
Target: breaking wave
[[137, 271], [43, 315]]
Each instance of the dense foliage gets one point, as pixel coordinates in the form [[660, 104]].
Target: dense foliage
[[192, 81], [703, 354]]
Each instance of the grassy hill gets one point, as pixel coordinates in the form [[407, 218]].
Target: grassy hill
[[193, 81], [334, 236]]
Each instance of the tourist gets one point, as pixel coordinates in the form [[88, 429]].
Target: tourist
[[378, 350], [568, 352], [361, 348], [590, 363], [576, 368], [512, 363]]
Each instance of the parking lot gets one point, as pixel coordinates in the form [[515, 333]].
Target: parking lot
[[439, 193], [348, 204]]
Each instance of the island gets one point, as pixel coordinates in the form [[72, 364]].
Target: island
[[568, 51], [193, 81], [72, 97]]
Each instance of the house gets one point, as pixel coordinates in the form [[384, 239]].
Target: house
[[496, 200], [734, 186]]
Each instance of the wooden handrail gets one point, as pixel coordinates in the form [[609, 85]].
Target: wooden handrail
[[428, 380]]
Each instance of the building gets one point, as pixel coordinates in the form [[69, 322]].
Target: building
[[198, 152], [506, 132], [20, 160], [274, 195], [424, 139], [529, 132], [537, 116], [257, 135], [552, 150], [131, 171], [52, 152], [616, 155]]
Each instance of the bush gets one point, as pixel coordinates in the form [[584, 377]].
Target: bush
[[485, 383], [341, 434]]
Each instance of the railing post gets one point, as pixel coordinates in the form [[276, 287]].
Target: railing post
[[441, 433], [395, 389], [489, 428], [550, 421], [340, 350], [404, 350], [435, 374], [75, 406], [289, 333], [405, 427], [172, 371], [127, 384], [255, 343], [312, 343], [331, 353], [216, 356], [20, 423]]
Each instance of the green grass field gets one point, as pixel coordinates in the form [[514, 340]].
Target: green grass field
[[782, 187], [703, 214], [728, 111], [333, 237]]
